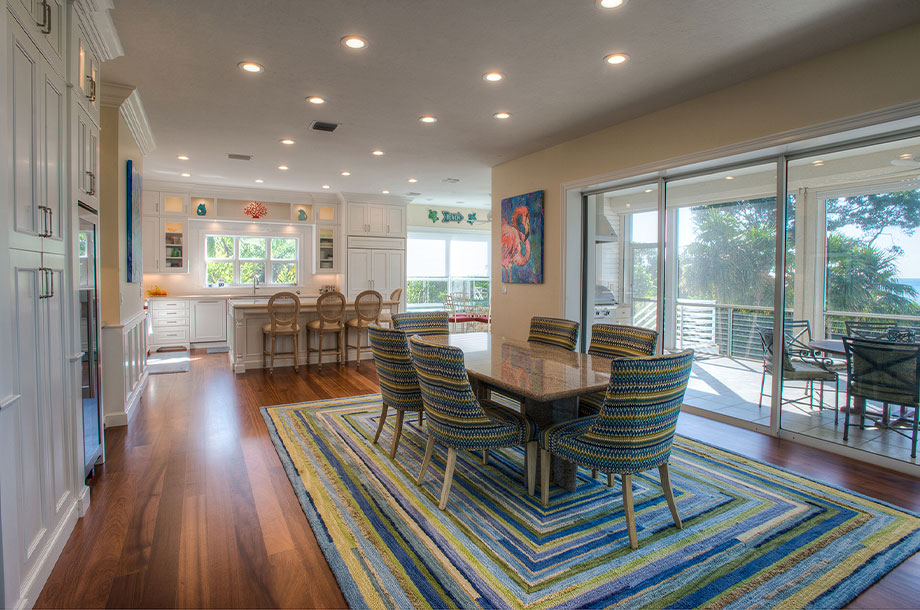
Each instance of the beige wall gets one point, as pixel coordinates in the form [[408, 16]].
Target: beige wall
[[876, 74], [120, 301]]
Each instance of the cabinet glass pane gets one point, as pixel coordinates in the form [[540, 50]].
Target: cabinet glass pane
[[248, 271], [326, 249], [174, 244], [173, 205], [327, 213], [252, 247]]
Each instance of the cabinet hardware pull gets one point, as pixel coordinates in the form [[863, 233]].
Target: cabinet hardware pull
[[44, 22], [46, 10], [44, 294], [51, 276], [92, 89], [46, 222], [92, 183]]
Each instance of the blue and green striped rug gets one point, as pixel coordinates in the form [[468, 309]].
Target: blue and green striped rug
[[754, 536]]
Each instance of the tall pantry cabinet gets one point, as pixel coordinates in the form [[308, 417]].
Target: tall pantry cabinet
[[42, 492]]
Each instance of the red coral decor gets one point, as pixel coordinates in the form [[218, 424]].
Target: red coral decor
[[255, 209]]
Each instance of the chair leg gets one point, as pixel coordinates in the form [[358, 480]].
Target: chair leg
[[669, 493], [383, 420], [594, 473], [271, 369], [426, 461], [448, 476], [913, 442], [343, 351], [397, 432], [630, 511], [531, 453], [420, 413], [846, 420], [544, 475], [485, 457], [296, 366], [836, 401], [763, 379], [609, 479]]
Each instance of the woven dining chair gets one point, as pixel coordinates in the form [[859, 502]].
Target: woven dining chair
[[398, 382], [386, 317], [283, 313], [615, 341], [633, 432], [330, 310], [367, 309], [422, 323], [557, 332], [460, 421]]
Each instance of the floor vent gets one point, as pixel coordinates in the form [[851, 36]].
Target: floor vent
[[320, 126], [237, 157]]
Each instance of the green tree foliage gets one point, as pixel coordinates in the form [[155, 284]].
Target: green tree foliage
[[861, 278], [872, 214]]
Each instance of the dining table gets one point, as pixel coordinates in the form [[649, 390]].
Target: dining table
[[545, 380]]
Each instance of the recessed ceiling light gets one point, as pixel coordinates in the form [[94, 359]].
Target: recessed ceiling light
[[428, 119], [729, 177], [377, 153], [616, 58], [346, 173], [906, 156], [259, 181], [353, 42], [502, 115], [817, 163], [182, 157], [283, 167], [493, 77], [385, 192], [315, 99], [250, 66], [611, 3], [186, 175], [413, 180], [287, 141], [326, 186], [648, 190]]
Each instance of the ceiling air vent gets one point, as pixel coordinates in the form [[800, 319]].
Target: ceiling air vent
[[237, 157], [320, 126], [412, 194], [450, 180]]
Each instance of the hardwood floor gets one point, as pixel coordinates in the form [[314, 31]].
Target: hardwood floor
[[193, 509]]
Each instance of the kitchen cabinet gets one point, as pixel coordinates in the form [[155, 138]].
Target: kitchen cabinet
[[375, 269], [376, 220], [165, 247], [150, 203], [46, 23], [325, 256], [86, 175], [208, 320], [86, 73], [150, 230], [170, 320]]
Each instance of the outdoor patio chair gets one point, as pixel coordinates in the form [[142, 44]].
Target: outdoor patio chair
[[884, 371], [807, 368], [881, 331], [634, 431]]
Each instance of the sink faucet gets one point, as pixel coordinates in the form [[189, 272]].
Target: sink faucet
[[255, 284]]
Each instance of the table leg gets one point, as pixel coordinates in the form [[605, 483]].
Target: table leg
[[546, 414]]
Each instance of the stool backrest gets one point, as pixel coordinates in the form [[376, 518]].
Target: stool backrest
[[330, 307], [368, 305], [283, 310]]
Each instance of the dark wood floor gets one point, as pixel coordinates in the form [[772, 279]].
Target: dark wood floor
[[193, 509]]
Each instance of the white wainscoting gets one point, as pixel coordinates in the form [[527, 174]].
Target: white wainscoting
[[124, 368]]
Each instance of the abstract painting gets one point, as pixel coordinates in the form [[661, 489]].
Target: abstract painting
[[522, 239], [135, 268]]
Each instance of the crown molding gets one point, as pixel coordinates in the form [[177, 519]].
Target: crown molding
[[113, 95], [95, 20], [240, 192], [375, 198], [132, 111]]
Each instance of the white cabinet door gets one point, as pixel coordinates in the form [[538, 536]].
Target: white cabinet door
[[86, 71], [396, 221], [24, 108], [51, 21], [357, 219], [359, 269], [92, 164], [150, 203], [208, 320], [378, 276], [54, 161], [150, 239], [396, 271], [376, 220], [174, 204]]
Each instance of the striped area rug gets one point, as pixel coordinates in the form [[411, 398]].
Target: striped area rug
[[754, 536]]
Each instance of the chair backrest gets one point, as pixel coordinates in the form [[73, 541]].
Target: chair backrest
[[395, 373], [883, 370], [619, 340], [283, 310], [766, 343], [368, 305], [898, 334], [637, 420], [330, 307], [422, 323], [396, 296], [865, 329], [553, 331], [446, 391], [798, 334]]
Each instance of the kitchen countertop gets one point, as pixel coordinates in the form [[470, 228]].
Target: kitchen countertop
[[306, 303], [189, 296]]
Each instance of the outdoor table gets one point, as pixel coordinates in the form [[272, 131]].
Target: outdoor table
[[546, 380]]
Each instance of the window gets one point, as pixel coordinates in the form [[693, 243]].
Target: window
[[238, 260], [443, 264]]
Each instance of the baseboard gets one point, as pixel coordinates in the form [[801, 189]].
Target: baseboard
[[34, 581], [83, 501]]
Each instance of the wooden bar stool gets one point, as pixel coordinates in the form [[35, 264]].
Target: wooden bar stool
[[330, 308], [283, 311], [367, 310], [386, 317]]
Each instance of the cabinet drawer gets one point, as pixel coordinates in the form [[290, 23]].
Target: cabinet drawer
[[164, 336], [170, 323], [161, 304], [170, 314]]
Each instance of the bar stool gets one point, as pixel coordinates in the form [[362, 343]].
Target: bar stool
[[367, 310], [283, 311], [330, 308], [386, 317]]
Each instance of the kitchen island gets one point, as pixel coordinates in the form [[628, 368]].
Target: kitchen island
[[247, 316]]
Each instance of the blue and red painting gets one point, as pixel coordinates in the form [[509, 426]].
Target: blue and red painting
[[522, 239]]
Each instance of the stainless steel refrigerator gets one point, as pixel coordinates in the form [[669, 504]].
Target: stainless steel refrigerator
[[90, 337]]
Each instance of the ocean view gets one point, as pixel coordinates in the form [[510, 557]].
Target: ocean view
[[912, 281]]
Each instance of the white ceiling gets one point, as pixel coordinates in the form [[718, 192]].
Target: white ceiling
[[428, 57]]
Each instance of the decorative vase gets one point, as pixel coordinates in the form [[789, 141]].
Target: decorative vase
[[201, 210]]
